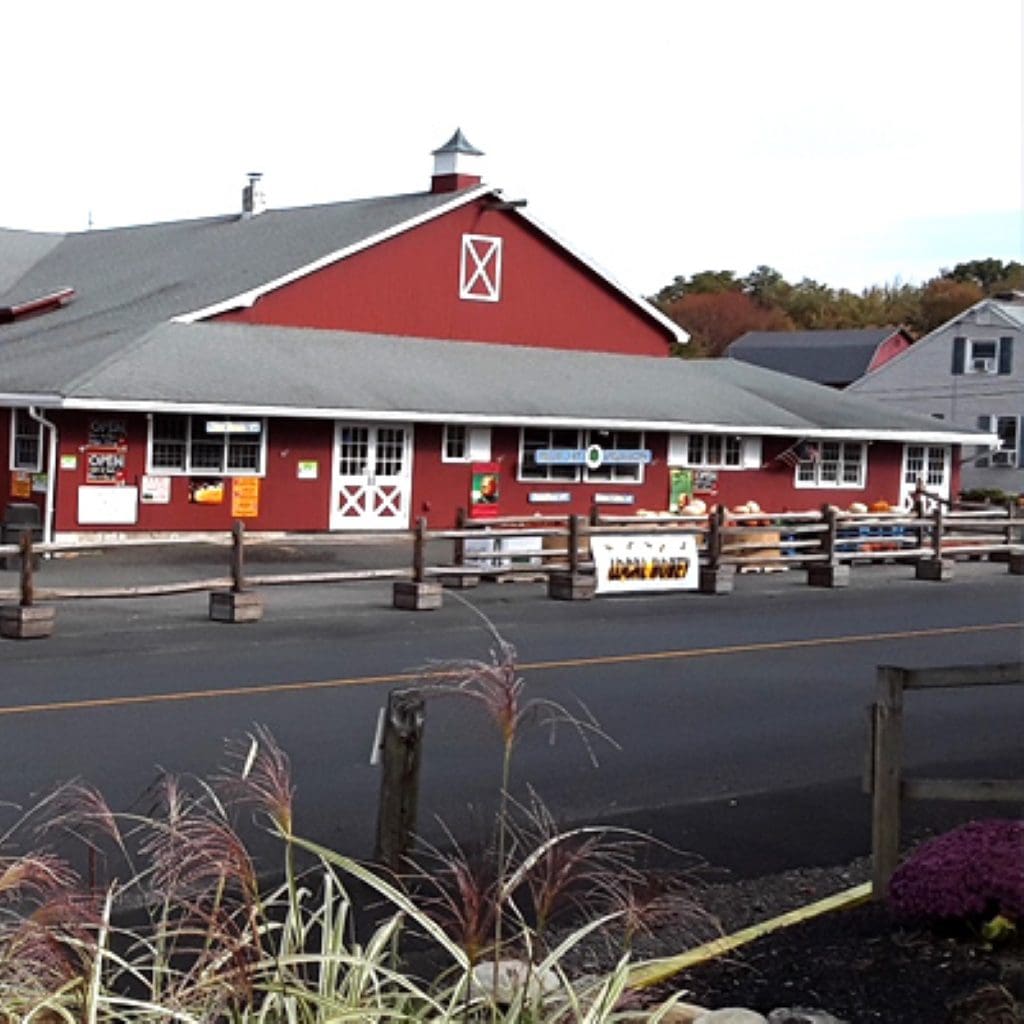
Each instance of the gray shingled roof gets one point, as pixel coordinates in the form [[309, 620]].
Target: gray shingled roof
[[127, 280], [116, 346], [828, 357], [333, 374]]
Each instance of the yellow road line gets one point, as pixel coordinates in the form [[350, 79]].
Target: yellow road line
[[258, 689]]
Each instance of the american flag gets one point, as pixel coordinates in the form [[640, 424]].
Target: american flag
[[802, 451]]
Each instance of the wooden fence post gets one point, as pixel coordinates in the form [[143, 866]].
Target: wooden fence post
[[935, 567], [937, 527], [418, 594], [401, 750], [238, 557], [27, 577], [26, 619], [574, 544], [570, 584], [829, 572], [459, 552], [236, 604], [886, 781], [419, 551], [715, 578]]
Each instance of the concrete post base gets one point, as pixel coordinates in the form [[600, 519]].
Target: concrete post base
[[828, 576], [461, 580], [717, 581], [1016, 563], [232, 606], [19, 622], [567, 586], [937, 569], [416, 597]]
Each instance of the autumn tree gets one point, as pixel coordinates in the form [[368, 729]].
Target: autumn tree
[[942, 299], [716, 318], [991, 275], [717, 306]]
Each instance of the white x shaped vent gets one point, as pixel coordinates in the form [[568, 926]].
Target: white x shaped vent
[[480, 268]]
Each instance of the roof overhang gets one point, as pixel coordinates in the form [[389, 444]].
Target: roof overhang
[[507, 420]]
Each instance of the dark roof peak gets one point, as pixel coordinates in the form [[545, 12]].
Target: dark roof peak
[[458, 143]]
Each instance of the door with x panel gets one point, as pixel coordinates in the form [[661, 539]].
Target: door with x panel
[[372, 476]]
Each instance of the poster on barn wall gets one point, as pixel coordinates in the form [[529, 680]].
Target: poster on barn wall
[[206, 491], [484, 491], [245, 497], [645, 562], [680, 488]]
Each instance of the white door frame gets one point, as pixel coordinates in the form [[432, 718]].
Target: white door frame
[[925, 467], [372, 490]]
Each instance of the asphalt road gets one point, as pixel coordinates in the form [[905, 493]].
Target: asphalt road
[[738, 721]]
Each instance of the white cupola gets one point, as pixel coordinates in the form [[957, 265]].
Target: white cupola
[[455, 165]]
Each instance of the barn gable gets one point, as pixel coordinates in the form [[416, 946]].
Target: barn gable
[[481, 270]]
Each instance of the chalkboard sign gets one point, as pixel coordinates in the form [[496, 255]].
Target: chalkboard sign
[[107, 433], [104, 465]]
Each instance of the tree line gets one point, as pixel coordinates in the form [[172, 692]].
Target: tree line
[[715, 306]]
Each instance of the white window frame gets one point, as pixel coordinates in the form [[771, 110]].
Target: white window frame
[[683, 447], [480, 268], [810, 473], [991, 367], [560, 474], [18, 438], [189, 441], [1005, 448], [476, 443], [618, 473]]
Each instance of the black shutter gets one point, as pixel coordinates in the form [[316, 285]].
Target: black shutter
[[1020, 442], [982, 461], [1005, 355], [959, 350]]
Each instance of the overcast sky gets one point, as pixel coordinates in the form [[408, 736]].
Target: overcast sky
[[852, 142]]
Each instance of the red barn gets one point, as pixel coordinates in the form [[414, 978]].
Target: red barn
[[358, 364]]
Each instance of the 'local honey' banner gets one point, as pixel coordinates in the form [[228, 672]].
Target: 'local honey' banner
[[645, 562]]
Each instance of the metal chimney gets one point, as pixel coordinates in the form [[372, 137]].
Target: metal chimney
[[254, 201]]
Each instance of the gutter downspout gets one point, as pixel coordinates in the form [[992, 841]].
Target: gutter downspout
[[51, 472]]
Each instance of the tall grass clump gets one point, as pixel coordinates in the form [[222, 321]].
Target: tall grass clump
[[162, 916]]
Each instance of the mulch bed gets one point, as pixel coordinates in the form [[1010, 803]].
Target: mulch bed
[[862, 966], [859, 964]]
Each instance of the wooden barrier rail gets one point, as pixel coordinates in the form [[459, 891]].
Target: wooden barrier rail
[[885, 781], [824, 543]]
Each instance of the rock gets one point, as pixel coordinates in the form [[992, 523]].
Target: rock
[[731, 1015], [512, 976], [683, 1013], [800, 1015]]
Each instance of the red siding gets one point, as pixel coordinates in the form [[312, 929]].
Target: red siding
[[438, 489], [285, 502], [892, 346], [409, 285]]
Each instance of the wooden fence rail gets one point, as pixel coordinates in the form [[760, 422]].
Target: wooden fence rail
[[824, 542], [885, 781]]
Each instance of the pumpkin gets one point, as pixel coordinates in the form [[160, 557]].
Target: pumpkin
[[881, 506]]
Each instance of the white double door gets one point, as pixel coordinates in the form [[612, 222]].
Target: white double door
[[929, 466], [372, 478]]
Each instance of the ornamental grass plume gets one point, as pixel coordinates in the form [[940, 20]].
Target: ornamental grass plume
[[258, 774], [497, 685]]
